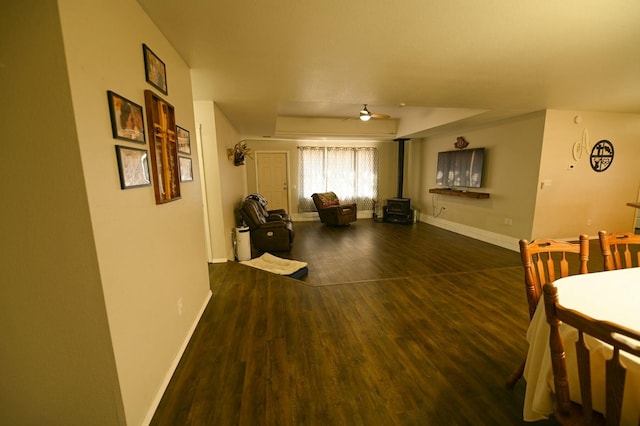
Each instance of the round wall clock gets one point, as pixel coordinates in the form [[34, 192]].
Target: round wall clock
[[601, 156]]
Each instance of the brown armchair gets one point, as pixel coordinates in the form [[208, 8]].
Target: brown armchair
[[331, 211], [271, 230]]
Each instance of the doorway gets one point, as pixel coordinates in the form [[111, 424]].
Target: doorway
[[272, 178]]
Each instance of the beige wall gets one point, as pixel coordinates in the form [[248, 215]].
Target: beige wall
[[388, 157], [216, 235], [106, 286], [579, 199], [510, 174], [57, 363], [232, 178], [152, 257], [522, 153]]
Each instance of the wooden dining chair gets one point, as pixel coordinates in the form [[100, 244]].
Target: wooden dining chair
[[572, 413], [619, 250], [545, 260]]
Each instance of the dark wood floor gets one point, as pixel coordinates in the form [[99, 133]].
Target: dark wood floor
[[394, 325]]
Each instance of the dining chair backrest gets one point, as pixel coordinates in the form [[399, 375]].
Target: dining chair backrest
[[546, 260], [620, 338], [620, 250]]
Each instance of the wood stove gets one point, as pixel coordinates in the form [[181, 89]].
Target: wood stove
[[398, 210]]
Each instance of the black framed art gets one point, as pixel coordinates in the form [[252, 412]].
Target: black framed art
[[186, 169], [184, 141], [126, 118], [154, 70], [133, 166]]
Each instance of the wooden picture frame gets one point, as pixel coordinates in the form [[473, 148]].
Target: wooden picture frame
[[155, 70], [126, 118], [184, 140], [163, 148], [186, 169], [133, 167]]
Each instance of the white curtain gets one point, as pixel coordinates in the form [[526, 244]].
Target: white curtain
[[352, 173]]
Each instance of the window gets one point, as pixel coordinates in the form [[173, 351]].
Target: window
[[352, 173]]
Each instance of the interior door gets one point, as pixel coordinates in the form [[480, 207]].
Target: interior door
[[272, 182]]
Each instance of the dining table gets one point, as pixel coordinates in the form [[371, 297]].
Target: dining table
[[612, 296]]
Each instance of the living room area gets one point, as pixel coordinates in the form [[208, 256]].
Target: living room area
[[536, 186], [105, 288]]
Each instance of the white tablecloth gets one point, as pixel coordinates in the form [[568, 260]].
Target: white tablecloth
[[612, 296]]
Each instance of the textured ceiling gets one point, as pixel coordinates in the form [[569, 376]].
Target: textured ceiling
[[259, 60]]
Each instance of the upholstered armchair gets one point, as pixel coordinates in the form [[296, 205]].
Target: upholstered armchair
[[270, 230], [330, 210]]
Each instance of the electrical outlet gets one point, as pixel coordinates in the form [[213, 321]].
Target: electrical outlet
[[508, 221]]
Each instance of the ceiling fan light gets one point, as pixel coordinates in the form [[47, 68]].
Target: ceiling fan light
[[365, 117]]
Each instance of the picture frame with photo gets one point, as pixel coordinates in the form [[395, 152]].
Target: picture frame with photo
[[133, 167], [126, 118], [184, 140], [155, 70], [186, 169]]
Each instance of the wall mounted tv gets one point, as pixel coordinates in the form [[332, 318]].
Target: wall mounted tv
[[461, 168]]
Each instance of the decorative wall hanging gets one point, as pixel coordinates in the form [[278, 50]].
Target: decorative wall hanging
[[126, 118], [184, 141], [238, 152], [163, 143], [133, 166], [461, 143], [601, 156], [154, 69], [186, 169], [581, 147]]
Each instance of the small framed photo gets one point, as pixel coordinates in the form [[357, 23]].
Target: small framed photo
[[133, 165], [126, 118], [186, 169], [184, 142], [155, 70]]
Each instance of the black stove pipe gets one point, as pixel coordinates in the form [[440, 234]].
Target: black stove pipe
[[400, 165]]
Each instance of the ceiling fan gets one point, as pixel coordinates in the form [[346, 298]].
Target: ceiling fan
[[365, 115]]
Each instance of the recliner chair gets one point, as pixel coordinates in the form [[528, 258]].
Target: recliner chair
[[330, 210], [270, 230]]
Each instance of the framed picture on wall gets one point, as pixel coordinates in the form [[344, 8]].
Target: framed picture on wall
[[163, 147], [184, 142], [155, 70], [186, 169], [133, 166], [126, 118]]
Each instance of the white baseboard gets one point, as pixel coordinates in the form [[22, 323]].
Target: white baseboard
[[174, 364], [500, 240], [218, 260]]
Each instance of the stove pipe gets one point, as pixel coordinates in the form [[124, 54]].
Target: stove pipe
[[400, 166]]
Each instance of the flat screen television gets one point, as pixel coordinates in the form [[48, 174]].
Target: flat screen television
[[461, 168]]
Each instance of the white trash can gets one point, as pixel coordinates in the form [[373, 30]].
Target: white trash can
[[243, 243]]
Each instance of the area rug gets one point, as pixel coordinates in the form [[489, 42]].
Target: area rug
[[277, 265]]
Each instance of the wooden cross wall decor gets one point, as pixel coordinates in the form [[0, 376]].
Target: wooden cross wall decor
[[161, 123]]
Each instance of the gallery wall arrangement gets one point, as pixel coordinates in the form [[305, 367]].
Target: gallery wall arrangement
[[170, 144]]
